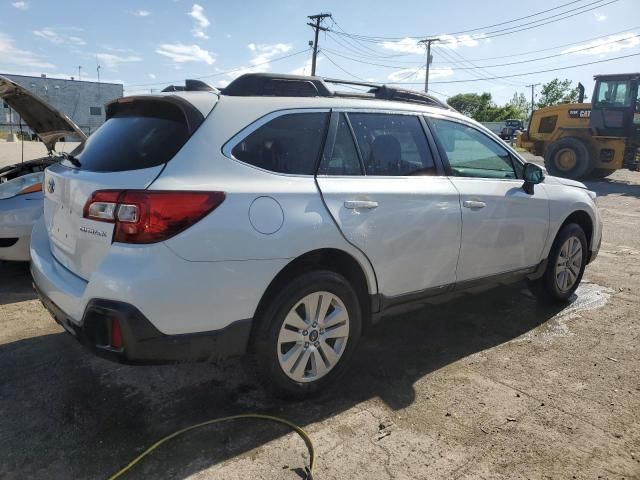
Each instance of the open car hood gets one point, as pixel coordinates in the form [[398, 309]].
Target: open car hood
[[48, 123]]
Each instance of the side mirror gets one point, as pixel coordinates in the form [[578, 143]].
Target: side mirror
[[533, 175]]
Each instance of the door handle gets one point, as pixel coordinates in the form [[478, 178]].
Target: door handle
[[473, 204], [353, 204]]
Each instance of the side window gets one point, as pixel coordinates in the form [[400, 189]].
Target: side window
[[287, 144], [471, 153], [392, 145], [344, 157]]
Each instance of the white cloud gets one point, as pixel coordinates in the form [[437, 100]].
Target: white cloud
[[20, 5], [58, 38], [201, 21], [181, 53], [141, 13], [262, 55], [599, 16], [304, 69], [613, 43], [223, 83], [406, 45], [452, 42], [413, 75], [412, 45], [11, 55], [114, 61], [152, 76]]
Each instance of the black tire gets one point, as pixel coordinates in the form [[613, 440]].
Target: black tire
[[546, 287], [601, 172], [582, 166], [270, 321]]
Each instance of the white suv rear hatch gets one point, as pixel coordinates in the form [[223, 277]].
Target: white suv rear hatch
[[129, 151]]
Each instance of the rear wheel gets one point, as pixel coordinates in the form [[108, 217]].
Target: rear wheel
[[568, 158], [307, 333], [565, 266]]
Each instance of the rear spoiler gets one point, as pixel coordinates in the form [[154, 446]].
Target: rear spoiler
[[192, 115]]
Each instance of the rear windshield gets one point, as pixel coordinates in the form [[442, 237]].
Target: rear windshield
[[138, 135]]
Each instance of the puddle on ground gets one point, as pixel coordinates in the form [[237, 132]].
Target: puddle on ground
[[588, 296]]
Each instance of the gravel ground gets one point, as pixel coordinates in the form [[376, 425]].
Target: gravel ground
[[490, 386]]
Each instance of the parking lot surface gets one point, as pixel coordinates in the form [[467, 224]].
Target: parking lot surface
[[489, 386]]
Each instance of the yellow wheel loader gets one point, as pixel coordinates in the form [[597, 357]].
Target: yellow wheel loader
[[581, 140]]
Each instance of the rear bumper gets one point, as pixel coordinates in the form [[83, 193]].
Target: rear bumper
[[141, 341]]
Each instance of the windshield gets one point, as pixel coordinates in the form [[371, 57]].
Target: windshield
[[614, 93]]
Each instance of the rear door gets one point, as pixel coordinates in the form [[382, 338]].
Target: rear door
[[390, 200], [127, 152], [504, 229]]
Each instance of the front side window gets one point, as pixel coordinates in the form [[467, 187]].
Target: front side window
[[344, 157], [289, 144], [614, 94], [392, 145], [471, 153]]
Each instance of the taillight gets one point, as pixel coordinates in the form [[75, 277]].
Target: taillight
[[149, 216], [116, 333]]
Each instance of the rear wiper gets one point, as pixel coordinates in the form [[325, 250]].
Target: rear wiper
[[67, 156]]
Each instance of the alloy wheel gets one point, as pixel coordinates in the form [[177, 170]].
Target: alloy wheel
[[313, 337], [568, 264]]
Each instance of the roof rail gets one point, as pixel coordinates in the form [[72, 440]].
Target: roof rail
[[281, 85], [191, 86]]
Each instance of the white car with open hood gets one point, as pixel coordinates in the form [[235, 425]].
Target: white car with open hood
[[21, 198], [281, 218]]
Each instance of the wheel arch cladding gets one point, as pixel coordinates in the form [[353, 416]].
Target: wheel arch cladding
[[331, 259]]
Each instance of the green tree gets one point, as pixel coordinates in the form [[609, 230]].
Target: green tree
[[520, 105], [471, 104], [557, 91], [481, 107]]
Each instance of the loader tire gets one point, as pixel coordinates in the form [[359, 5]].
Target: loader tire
[[568, 158]]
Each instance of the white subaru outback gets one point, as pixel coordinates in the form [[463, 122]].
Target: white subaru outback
[[281, 217]]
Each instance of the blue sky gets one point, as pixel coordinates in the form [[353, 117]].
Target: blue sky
[[147, 44]]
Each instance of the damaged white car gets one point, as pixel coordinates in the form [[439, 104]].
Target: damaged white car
[[21, 197]]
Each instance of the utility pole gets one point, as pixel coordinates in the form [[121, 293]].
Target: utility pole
[[79, 68], [428, 42], [316, 27], [532, 86]]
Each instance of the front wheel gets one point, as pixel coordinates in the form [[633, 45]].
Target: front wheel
[[307, 333], [565, 266]]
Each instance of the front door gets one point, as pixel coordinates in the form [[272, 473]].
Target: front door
[[504, 229]]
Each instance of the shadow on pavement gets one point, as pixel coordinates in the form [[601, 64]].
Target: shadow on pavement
[[15, 283], [608, 186], [67, 414]]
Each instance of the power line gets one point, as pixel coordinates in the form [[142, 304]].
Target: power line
[[474, 67], [528, 73], [467, 61], [553, 56], [496, 33], [342, 69], [520, 54]]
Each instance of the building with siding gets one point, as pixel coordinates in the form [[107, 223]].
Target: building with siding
[[81, 101]]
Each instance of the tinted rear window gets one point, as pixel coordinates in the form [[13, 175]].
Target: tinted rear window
[[138, 135], [287, 144]]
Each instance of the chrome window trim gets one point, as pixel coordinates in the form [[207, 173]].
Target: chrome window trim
[[227, 148]]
